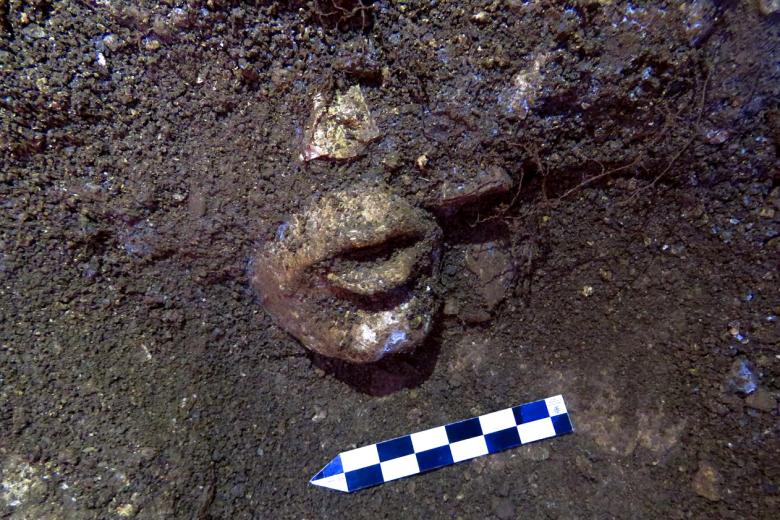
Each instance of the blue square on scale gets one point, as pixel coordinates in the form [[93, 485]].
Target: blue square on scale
[[435, 458], [395, 448], [562, 424], [526, 413], [333, 468], [364, 477], [463, 430], [502, 440]]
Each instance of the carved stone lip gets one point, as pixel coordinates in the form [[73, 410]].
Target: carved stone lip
[[377, 270]]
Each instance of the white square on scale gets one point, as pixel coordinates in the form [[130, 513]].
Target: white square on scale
[[468, 449], [400, 467], [359, 458]]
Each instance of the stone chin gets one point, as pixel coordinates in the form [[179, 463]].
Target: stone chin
[[352, 275]]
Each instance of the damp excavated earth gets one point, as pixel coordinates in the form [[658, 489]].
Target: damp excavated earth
[[216, 215]]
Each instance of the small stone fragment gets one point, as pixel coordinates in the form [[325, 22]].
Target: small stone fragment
[[126, 510], [320, 414], [151, 43], [359, 59], [518, 99], [535, 452], [493, 180], [481, 17], [742, 377], [422, 162], [451, 307], [474, 315], [768, 7], [716, 136], [340, 127], [587, 291], [179, 18], [492, 264], [699, 20], [761, 400], [706, 482], [34, 31], [504, 508]]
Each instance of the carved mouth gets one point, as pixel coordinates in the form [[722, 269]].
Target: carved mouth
[[374, 271], [351, 275]]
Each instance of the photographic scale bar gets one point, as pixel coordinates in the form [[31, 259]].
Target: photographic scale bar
[[444, 445]]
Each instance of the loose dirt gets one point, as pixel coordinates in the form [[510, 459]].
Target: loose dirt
[[147, 149]]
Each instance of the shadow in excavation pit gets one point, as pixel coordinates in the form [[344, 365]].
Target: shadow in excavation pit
[[390, 374]]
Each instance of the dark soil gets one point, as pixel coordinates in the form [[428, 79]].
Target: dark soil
[[148, 147]]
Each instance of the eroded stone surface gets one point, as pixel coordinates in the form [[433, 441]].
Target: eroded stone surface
[[706, 481], [519, 98], [484, 182], [352, 276], [340, 127], [768, 7], [492, 264]]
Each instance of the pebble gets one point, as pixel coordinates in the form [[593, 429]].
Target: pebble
[[706, 482], [717, 136], [742, 377], [126, 510], [761, 400], [481, 17], [492, 264], [451, 307], [699, 19], [535, 452], [422, 162], [320, 414], [340, 128], [151, 43], [111, 42], [179, 18], [483, 182], [504, 508], [768, 7], [34, 31], [518, 99]]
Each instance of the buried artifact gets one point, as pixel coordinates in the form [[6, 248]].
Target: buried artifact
[[352, 275]]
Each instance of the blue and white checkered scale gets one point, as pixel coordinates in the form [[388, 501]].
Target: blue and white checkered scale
[[438, 447]]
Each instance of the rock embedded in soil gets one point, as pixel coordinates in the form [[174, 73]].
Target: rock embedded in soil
[[768, 7], [504, 508], [706, 482], [351, 276], [761, 400], [742, 377], [484, 182], [492, 264], [340, 127], [519, 98], [699, 20]]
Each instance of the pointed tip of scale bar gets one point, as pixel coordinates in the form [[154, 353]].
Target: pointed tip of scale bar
[[331, 476]]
